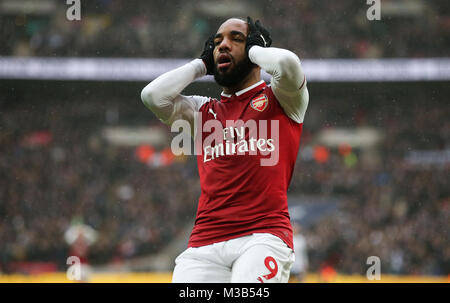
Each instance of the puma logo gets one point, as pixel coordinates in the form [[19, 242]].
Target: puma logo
[[213, 113]]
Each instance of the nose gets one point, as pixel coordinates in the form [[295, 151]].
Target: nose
[[224, 45]]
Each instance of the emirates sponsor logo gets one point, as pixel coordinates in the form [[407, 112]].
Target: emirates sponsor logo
[[260, 103], [241, 138], [236, 138]]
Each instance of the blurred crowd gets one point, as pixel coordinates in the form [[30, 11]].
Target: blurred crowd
[[389, 207], [156, 28], [56, 169]]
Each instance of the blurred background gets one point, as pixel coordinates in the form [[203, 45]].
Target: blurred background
[[87, 170]]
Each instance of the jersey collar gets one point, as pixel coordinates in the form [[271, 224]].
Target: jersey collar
[[243, 93]]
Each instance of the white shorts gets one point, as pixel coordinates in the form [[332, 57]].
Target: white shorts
[[257, 258]]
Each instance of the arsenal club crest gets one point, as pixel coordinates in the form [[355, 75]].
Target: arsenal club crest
[[259, 103]]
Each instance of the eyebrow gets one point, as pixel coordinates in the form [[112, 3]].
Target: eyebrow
[[233, 33]]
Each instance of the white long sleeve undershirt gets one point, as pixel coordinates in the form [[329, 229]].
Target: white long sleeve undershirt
[[288, 80], [162, 95]]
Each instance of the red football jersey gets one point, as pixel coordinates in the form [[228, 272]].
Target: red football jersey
[[239, 195]]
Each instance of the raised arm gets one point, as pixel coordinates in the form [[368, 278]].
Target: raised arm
[[288, 80], [162, 95]]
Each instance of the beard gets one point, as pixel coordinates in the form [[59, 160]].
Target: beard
[[234, 74]]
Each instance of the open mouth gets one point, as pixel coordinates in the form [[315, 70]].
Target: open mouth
[[223, 61]]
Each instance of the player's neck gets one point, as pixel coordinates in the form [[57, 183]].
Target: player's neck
[[252, 78]]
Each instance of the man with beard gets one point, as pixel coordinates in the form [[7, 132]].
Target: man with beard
[[242, 231]]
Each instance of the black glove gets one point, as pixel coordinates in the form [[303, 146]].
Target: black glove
[[207, 55], [257, 35]]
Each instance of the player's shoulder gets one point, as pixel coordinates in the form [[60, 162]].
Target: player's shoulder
[[208, 102], [198, 101], [268, 89], [268, 92]]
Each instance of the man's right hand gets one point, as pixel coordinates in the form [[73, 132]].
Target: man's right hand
[[207, 55]]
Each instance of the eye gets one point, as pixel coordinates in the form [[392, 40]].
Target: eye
[[217, 42]]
